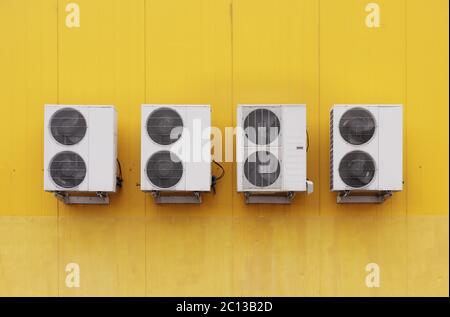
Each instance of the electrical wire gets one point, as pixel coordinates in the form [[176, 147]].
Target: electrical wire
[[119, 177], [222, 174], [307, 140], [214, 179]]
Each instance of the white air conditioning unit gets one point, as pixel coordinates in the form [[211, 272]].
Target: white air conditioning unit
[[366, 148], [80, 148], [271, 144], [176, 148]]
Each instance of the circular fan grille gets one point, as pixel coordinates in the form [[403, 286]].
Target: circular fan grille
[[357, 126], [164, 126], [357, 169], [164, 169], [262, 169], [68, 126], [262, 126], [67, 169]]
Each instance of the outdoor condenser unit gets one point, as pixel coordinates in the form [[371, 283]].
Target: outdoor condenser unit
[[80, 150], [271, 151], [175, 151], [366, 151]]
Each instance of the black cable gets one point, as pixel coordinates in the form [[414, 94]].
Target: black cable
[[307, 140], [120, 169], [214, 179], [119, 177], [223, 170]]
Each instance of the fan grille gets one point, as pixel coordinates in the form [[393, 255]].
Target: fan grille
[[164, 169], [357, 169], [164, 126], [262, 169], [68, 126], [262, 126], [67, 169], [357, 126]]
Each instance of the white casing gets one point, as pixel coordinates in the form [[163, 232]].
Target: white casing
[[289, 148], [98, 148], [385, 147], [193, 148]]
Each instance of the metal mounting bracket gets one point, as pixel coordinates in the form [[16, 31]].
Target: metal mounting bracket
[[170, 198], [101, 198], [272, 198], [350, 197], [309, 187]]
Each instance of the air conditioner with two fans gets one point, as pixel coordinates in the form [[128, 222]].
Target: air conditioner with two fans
[[271, 148], [175, 148], [80, 148], [366, 148]]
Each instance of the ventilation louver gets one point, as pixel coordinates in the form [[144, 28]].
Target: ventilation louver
[[331, 148]]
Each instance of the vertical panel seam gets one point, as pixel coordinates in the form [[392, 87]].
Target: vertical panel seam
[[405, 145], [319, 138], [57, 101], [145, 97], [233, 179]]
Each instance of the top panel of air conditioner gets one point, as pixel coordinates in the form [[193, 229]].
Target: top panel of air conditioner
[[271, 147], [80, 148], [366, 151], [175, 147]]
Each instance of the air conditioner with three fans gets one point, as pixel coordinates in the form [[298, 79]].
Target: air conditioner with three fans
[[80, 148], [176, 148], [366, 148], [271, 144]]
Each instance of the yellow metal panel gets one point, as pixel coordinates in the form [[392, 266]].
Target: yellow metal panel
[[188, 61], [428, 255], [360, 65], [428, 107], [28, 79], [276, 60], [103, 62], [427, 147], [189, 256], [223, 53], [110, 252], [188, 58], [276, 255], [28, 256]]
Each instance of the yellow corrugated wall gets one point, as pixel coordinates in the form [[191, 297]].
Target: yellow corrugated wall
[[224, 52]]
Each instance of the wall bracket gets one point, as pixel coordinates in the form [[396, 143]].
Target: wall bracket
[[170, 198], [269, 198], [101, 198], [350, 197], [309, 187]]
